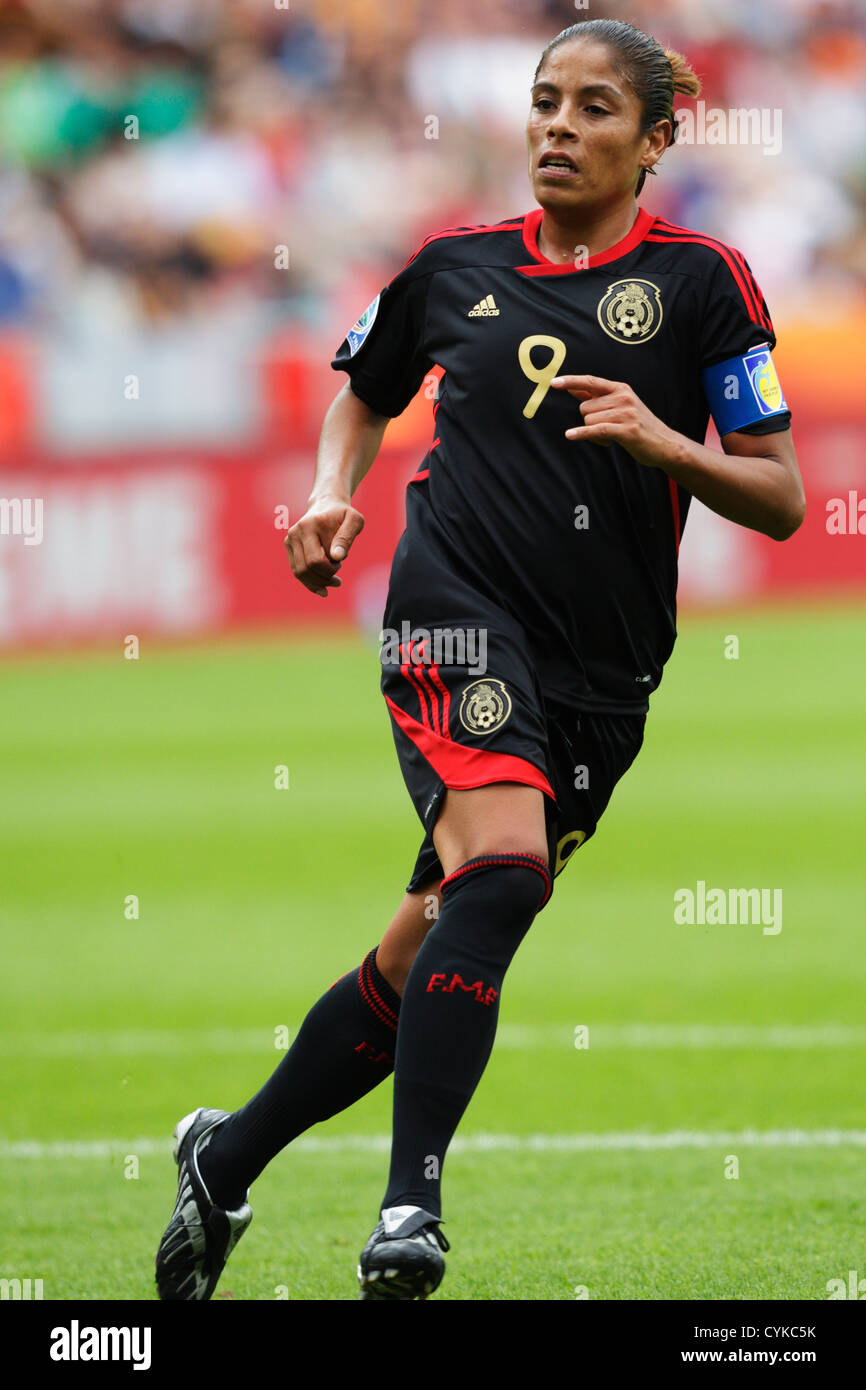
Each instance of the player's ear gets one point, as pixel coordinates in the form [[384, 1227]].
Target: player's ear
[[658, 140]]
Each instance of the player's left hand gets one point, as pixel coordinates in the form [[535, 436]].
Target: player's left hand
[[614, 414]]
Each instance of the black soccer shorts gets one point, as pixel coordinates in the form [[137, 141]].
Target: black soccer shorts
[[467, 711]]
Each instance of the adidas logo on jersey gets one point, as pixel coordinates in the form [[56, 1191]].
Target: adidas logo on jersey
[[484, 309]]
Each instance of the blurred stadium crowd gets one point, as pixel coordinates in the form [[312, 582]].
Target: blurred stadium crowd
[[154, 154], [199, 197]]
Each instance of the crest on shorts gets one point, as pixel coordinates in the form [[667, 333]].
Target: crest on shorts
[[484, 706], [631, 311]]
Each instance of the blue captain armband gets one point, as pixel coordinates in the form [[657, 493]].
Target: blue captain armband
[[743, 390]]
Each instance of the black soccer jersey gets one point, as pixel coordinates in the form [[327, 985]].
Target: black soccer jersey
[[576, 541]]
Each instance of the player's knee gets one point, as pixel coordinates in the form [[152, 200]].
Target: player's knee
[[516, 844]]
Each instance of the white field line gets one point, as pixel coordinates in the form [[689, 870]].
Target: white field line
[[517, 1037], [624, 1142]]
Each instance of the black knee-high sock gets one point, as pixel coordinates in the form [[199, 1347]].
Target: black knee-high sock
[[448, 1014], [344, 1048]]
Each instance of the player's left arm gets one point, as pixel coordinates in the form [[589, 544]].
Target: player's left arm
[[756, 482]]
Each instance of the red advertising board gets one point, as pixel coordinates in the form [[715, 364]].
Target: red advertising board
[[191, 543]]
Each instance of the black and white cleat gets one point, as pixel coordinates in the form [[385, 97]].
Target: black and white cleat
[[403, 1257], [200, 1235]]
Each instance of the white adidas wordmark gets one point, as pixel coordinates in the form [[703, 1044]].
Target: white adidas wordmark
[[484, 309]]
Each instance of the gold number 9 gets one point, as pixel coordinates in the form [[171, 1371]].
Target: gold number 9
[[543, 375]]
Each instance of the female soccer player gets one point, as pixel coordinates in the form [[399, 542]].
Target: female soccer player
[[531, 609]]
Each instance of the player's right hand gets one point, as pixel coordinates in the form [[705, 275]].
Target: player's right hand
[[319, 543]]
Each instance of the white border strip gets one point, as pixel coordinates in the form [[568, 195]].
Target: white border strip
[[516, 1037], [625, 1142]]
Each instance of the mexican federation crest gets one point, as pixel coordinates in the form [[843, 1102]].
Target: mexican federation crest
[[631, 311], [484, 706]]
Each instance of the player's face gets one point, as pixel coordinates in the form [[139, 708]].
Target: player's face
[[582, 109]]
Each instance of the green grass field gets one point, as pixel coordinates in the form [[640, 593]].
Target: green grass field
[[604, 1167]]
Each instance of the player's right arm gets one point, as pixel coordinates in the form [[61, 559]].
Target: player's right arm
[[351, 437], [385, 356]]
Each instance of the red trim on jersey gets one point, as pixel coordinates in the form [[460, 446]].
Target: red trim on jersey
[[424, 472], [461, 231], [663, 225], [532, 222], [675, 508], [735, 261], [461, 767], [743, 279]]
